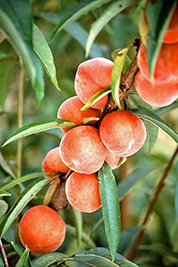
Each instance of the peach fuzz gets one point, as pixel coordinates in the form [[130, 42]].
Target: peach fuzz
[[122, 132], [158, 95], [53, 164], [92, 76], [82, 150], [71, 110], [82, 191], [42, 229], [112, 160], [166, 65], [171, 34]]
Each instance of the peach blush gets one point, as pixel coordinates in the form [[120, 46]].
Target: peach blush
[[171, 34], [166, 65], [123, 133], [92, 76], [52, 163], [42, 229], [112, 160], [82, 150], [71, 110], [82, 191], [158, 95]]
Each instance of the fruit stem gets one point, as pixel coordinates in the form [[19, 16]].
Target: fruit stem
[[6, 264], [151, 206]]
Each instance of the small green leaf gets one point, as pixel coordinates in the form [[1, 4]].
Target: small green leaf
[[156, 120], [45, 54], [5, 194], [78, 222], [3, 207], [37, 127], [76, 12], [49, 259], [96, 97], [20, 250], [152, 135], [111, 11], [30, 191], [158, 16], [116, 74], [5, 166], [110, 207], [23, 259]]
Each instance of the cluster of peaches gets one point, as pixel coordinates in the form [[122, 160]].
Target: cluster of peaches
[[161, 89], [85, 147]]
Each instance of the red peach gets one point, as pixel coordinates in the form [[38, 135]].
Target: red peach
[[122, 132], [82, 150], [82, 191], [112, 160], [158, 95], [71, 110], [53, 164], [166, 65], [42, 229], [92, 76]]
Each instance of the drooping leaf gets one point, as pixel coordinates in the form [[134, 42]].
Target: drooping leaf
[[24, 50], [20, 250], [116, 74], [158, 16], [49, 259], [78, 222], [110, 207], [29, 192], [37, 127], [152, 134], [3, 207], [45, 54], [111, 11], [156, 120], [5, 166], [23, 259], [76, 12]]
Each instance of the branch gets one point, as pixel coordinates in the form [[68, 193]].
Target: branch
[[6, 264]]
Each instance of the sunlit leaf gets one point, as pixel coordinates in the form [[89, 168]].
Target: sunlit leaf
[[111, 11], [110, 207], [3, 207], [5, 194]]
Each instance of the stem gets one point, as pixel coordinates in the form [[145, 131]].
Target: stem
[[6, 264], [152, 204]]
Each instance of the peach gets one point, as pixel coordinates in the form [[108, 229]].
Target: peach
[[122, 132], [166, 65], [53, 164], [71, 110], [171, 34], [92, 76], [158, 95], [42, 229], [82, 191], [82, 150], [112, 160]]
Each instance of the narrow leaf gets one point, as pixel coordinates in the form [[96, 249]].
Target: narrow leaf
[[5, 194], [96, 97], [29, 192], [156, 120], [116, 74], [37, 127], [76, 12], [164, 110], [49, 259], [152, 135], [5, 166], [111, 11], [110, 207], [20, 250], [23, 259], [176, 199], [3, 207], [45, 54], [158, 16], [78, 222]]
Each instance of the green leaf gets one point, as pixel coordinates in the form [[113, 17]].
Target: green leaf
[[76, 12], [5, 194], [152, 135], [5, 166], [111, 11], [110, 207], [176, 197], [158, 16], [24, 50], [49, 259], [3, 207], [156, 120], [127, 238], [30, 191], [21, 180], [138, 102], [45, 54], [116, 74], [164, 110], [37, 127], [78, 222], [23, 259], [96, 97], [20, 250]]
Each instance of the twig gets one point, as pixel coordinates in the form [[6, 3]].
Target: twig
[[151, 206], [3, 253]]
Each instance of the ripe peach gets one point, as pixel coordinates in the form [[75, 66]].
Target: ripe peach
[[42, 229], [52, 163], [112, 160], [158, 95], [166, 65], [171, 34], [82, 150], [82, 191], [71, 110], [92, 76], [122, 132]]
